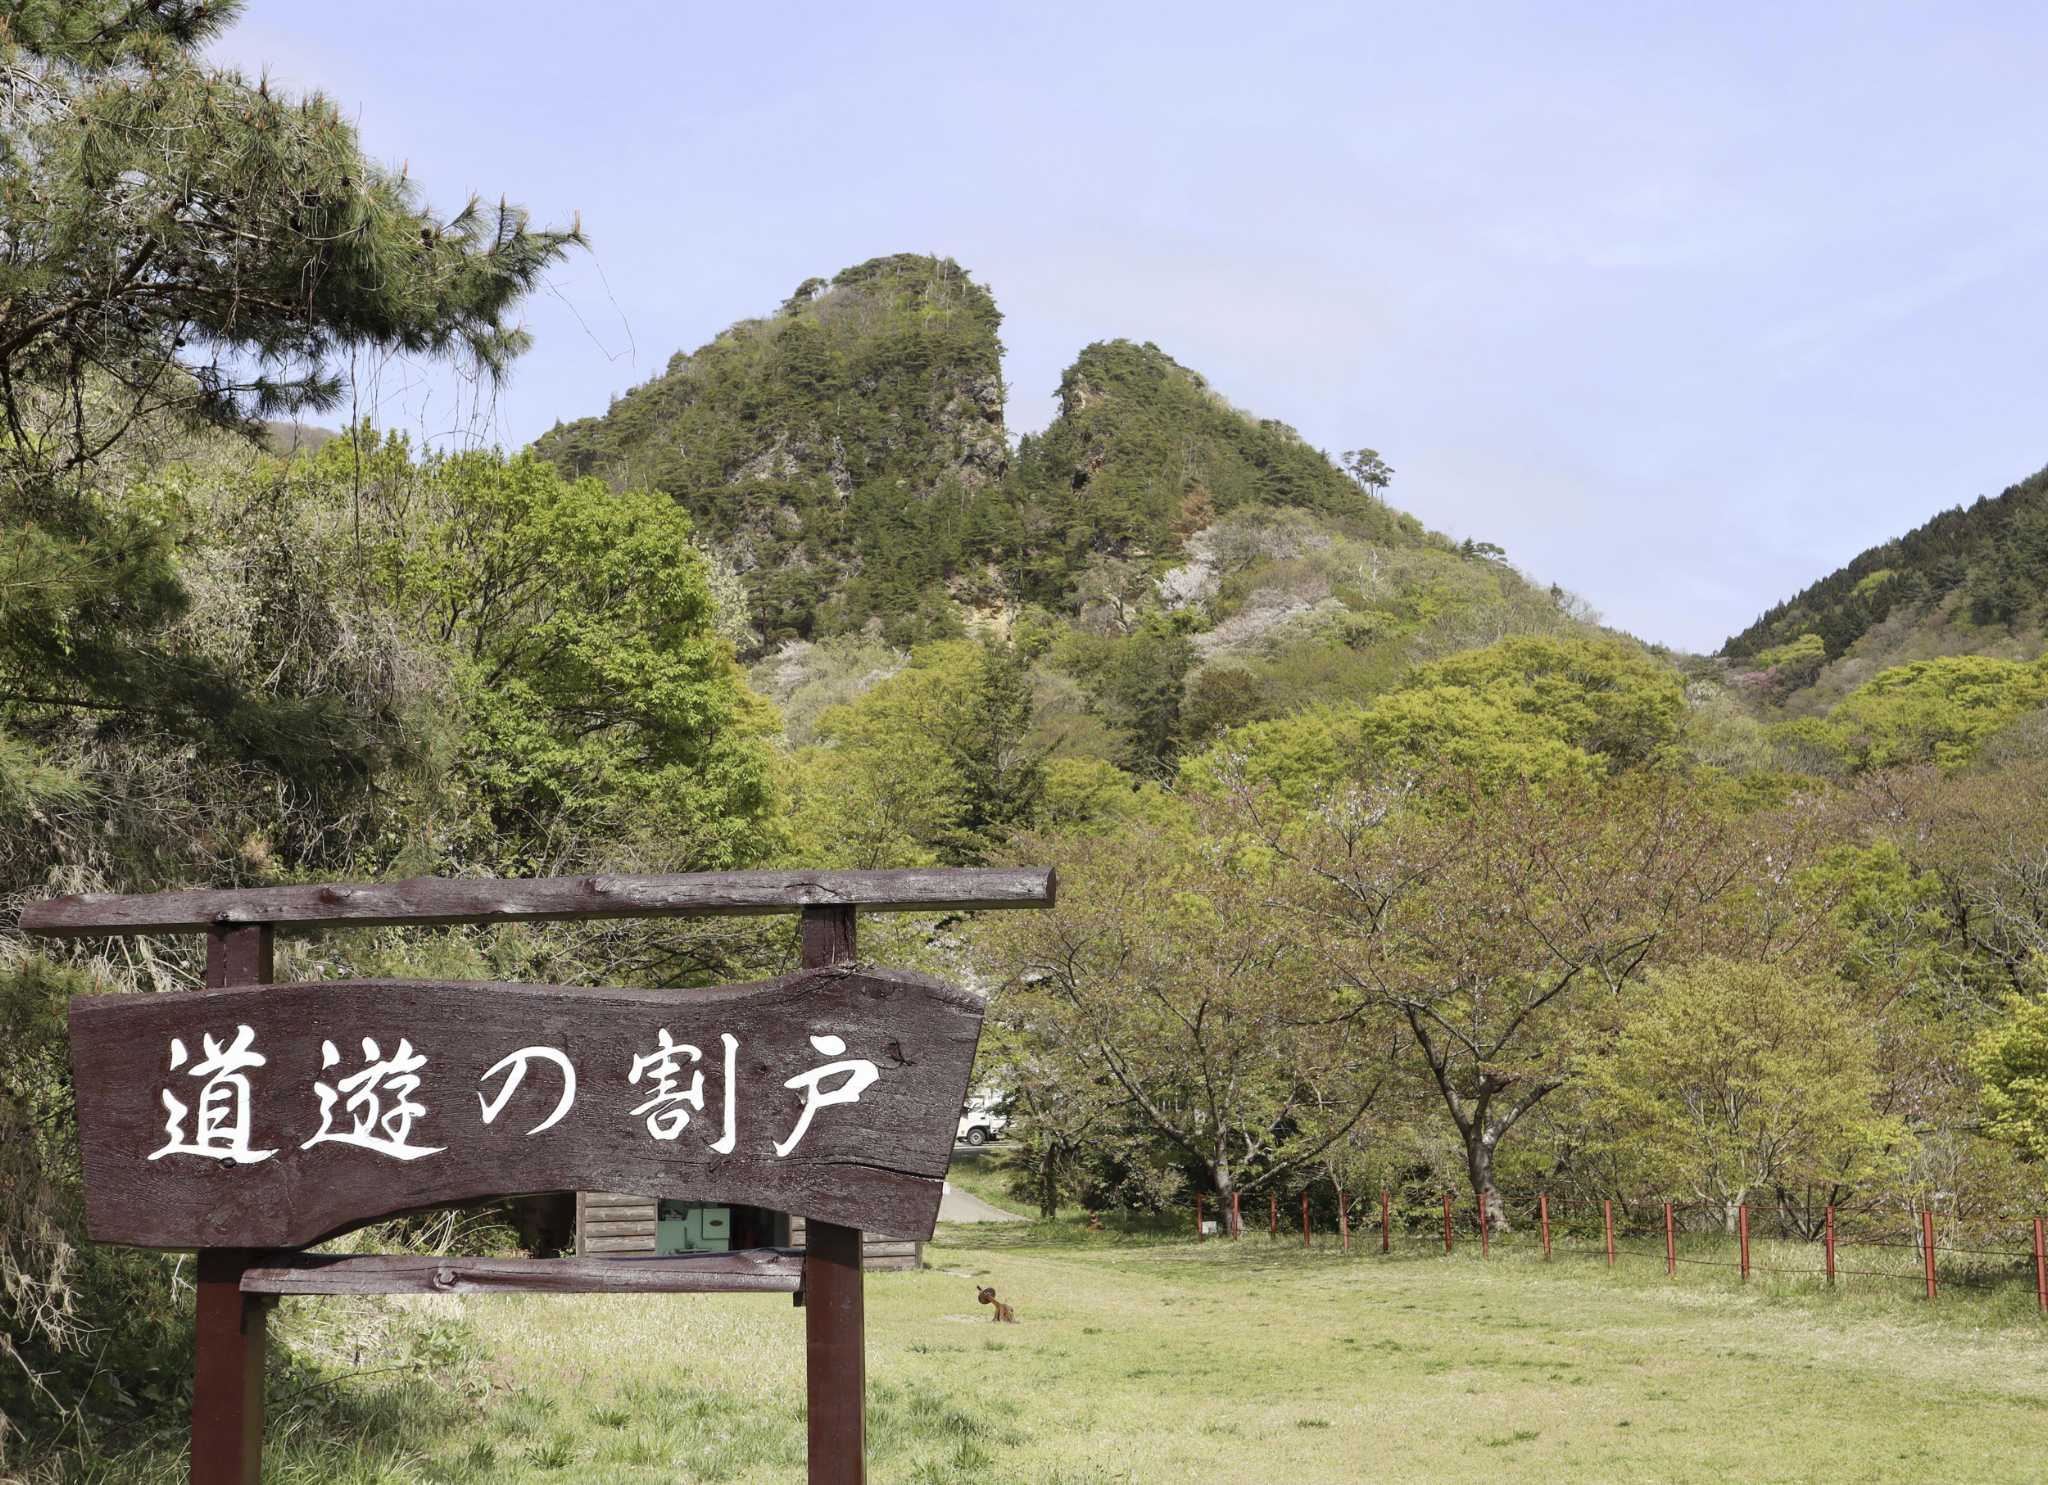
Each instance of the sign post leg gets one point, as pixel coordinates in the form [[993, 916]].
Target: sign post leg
[[227, 1374], [835, 1310], [230, 1337], [835, 1354]]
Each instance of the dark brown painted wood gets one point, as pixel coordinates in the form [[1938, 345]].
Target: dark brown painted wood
[[835, 1301], [749, 1270], [230, 1340], [240, 956], [835, 1355], [878, 1163], [231, 1329], [426, 901], [828, 937]]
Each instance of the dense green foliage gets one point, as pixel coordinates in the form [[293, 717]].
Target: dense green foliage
[[2012, 1059], [1931, 711], [1142, 455], [1536, 707], [168, 224], [217, 668], [1986, 564], [843, 451], [847, 455]]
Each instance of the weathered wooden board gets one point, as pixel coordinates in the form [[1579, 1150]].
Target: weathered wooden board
[[748, 1271], [431, 900], [833, 1093]]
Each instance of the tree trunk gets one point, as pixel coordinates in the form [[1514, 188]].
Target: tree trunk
[[1048, 1183], [1479, 1161], [1224, 1177]]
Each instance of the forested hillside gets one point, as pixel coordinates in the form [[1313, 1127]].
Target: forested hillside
[[1167, 564], [842, 452], [847, 456], [1970, 581]]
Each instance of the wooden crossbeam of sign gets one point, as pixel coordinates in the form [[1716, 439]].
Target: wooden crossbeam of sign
[[745, 1271], [427, 901], [278, 1115]]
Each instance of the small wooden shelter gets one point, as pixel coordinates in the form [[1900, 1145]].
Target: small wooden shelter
[[619, 1224]]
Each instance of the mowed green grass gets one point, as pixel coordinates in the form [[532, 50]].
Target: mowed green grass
[[1150, 1361]]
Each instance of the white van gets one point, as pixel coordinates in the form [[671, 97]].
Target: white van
[[980, 1121]]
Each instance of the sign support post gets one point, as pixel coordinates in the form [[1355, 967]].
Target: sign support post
[[230, 1333], [835, 1299]]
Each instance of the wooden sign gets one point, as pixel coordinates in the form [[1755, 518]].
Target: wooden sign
[[278, 1115]]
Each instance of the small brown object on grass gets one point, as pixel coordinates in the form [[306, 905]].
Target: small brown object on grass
[[1004, 1314]]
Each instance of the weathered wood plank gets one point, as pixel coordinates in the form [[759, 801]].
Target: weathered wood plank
[[316, 1155], [601, 1200], [425, 901], [749, 1270], [618, 1245]]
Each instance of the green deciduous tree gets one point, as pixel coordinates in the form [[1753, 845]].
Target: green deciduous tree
[[2011, 1062], [1165, 976], [1931, 711], [934, 764], [1497, 924], [1735, 1080], [601, 704], [1527, 708]]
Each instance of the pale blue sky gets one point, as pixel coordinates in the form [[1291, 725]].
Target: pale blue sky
[[1683, 306]]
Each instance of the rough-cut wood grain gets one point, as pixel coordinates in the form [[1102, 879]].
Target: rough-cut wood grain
[[230, 1328], [876, 1164], [434, 900], [834, 1293], [877, 1253], [750, 1270], [244, 955], [596, 1246]]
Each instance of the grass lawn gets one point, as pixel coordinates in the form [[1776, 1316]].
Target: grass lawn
[[1151, 1361]]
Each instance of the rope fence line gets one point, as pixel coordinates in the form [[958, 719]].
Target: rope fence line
[[1417, 1225]]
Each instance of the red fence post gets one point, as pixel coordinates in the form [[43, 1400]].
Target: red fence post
[[1343, 1220], [1543, 1216], [1742, 1230], [1447, 1221], [1236, 1217], [2040, 1265], [1607, 1218], [1927, 1247], [1831, 1245], [1670, 1243], [1387, 1225], [1304, 1219], [1198, 1216], [1273, 1200]]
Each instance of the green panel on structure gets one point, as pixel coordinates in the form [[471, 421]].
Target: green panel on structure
[[686, 1227]]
